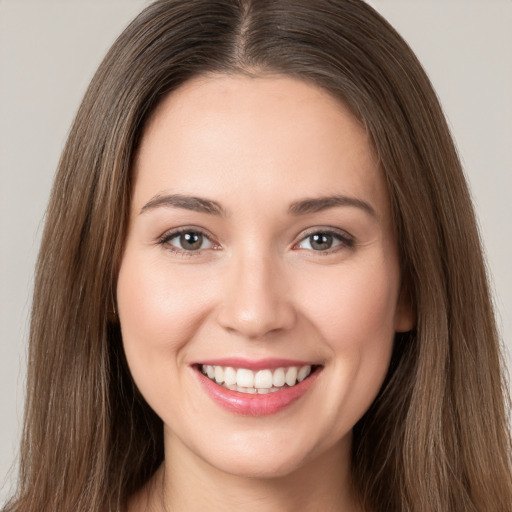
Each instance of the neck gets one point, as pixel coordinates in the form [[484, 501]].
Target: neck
[[185, 482]]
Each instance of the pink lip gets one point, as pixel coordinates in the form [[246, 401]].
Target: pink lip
[[254, 405], [259, 364]]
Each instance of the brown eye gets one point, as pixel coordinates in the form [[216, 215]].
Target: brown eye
[[191, 241], [187, 241], [323, 241]]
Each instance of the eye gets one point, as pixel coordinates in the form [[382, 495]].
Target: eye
[[324, 241], [187, 241]]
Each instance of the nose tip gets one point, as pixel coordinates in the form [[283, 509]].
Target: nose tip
[[255, 302], [255, 321]]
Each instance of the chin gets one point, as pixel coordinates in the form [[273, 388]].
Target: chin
[[265, 456], [265, 466]]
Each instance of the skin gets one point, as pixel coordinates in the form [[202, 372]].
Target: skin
[[257, 288]]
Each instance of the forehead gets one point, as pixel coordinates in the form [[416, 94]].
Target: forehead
[[230, 134]]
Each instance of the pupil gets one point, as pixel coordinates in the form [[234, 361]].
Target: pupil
[[321, 241], [191, 241]]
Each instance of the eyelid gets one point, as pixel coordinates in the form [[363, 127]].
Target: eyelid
[[346, 239], [166, 237]]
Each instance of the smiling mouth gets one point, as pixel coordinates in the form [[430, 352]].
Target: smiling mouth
[[259, 382]]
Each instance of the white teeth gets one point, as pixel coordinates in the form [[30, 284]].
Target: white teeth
[[219, 374], [244, 378], [229, 376], [251, 391], [278, 379], [261, 382], [263, 379], [291, 376], [303, 373]]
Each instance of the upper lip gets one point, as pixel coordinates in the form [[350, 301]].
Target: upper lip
[[254, 364]]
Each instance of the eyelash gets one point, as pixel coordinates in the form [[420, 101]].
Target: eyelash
[[165, 240], [345, 240]]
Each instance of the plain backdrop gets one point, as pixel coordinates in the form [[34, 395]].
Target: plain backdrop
[[49, 51]]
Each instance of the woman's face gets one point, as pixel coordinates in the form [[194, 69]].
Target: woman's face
[[260, 248]]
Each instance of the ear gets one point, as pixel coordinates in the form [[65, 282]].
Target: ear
[[405, 316]]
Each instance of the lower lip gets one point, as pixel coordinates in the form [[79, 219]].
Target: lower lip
[[246, 404]]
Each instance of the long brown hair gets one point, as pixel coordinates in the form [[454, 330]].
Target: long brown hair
[[436, 438]]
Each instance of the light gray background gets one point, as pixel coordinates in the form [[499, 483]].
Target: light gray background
[[50, 49]]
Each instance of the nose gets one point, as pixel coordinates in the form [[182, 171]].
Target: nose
[[255, 301]]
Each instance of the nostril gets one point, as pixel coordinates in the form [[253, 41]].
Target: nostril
[[255, 317]]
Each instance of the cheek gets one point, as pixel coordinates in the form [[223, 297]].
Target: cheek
[[354, 314], [157, 307], [354, 307], [159, 312]]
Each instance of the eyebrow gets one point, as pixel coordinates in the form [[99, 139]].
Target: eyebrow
[[302, 207], [196, 204], [319, 204]]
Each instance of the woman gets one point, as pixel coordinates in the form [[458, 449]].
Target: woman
[[250, 290]]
